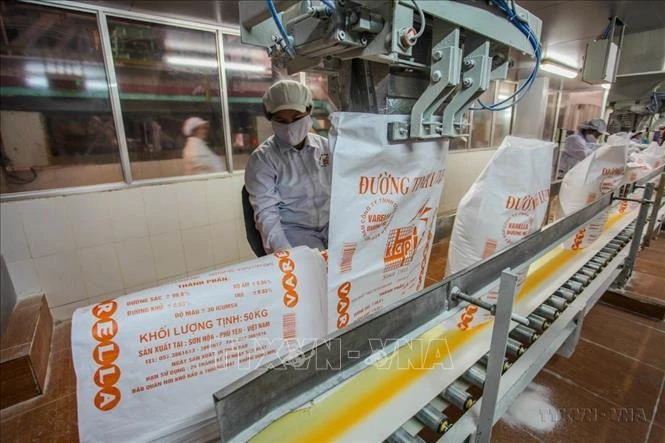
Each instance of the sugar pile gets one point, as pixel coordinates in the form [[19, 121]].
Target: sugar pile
[[533, 410]]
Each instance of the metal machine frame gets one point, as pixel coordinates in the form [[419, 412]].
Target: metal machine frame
[[250, 404], [467, 47]]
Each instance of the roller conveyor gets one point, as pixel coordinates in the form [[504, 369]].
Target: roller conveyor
[[560, 288]]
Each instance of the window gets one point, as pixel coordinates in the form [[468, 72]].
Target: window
[[57, 129], [481, 121], [550, 115], [248, 75], [323, 105], [579, 106], [165, 75], [502, 120]]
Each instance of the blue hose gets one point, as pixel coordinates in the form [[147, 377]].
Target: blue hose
[[280, 27], [526, 86]]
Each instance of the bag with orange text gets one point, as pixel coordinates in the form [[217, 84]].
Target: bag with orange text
[[384, 202], [601, 172], [148, 363], [507, 202]]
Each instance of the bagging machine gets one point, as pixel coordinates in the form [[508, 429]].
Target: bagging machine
[[401, 370]]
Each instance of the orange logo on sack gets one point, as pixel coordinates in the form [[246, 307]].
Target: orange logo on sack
[[343, 304], [401, 247], [467, 317], [577, 241], [289, 279], [105, 354]]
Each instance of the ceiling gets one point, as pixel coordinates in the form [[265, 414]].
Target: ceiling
[[569, 25]]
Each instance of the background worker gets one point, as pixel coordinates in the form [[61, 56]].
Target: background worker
[[197, 156], [288, 176], [579, 145]]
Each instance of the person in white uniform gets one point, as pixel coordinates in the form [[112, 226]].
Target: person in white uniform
[[288, 176], [579, 145], [197, 156]]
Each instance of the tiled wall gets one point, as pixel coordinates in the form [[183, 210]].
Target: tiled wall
[[83, 248], [462, 169]]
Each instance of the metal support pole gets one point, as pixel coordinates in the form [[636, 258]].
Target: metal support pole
[[637, 237], [491, 308], [654, 211], [114, 97], [507, 290], [224, 100]]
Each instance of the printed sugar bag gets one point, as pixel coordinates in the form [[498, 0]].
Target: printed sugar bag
[[147, 364], [599, 173], [507, 202], [652, 157], [383, 204]]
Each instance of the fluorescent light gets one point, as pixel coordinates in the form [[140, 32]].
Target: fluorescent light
[[245, 67], [606, 85], [212, 63], [557, 69], [96, 85], [561, 59], [37, 82], [191, 61]]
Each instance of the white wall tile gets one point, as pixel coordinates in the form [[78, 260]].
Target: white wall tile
[[244, 250], [61, 278], [24, 278], [127, 214], [136, 262], [101, 270], [91, 216], [46, 226], [161, 208], [169, 254], [65, 312], [110, 296], [170, 280], [198, 248], [224, 242], [222, 203], [140, 287], [13, 243], [192, 205]]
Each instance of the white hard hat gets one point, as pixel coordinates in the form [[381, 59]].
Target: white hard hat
[[191, 124], [287, 94]]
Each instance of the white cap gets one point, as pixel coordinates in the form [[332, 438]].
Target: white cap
[[191, 124], [287, 94], [597, 124]]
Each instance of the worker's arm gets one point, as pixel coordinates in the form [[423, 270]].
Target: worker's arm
[[261, 184], [576, 148]]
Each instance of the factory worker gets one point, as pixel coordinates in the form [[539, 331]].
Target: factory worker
[[197, 156], [288, 176], [579, 145]]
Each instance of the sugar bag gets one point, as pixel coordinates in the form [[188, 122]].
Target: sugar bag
[[147, 363], [383, 204], [507, 202], [599, 173]]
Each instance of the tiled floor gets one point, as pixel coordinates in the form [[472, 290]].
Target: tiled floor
[[611, 390]]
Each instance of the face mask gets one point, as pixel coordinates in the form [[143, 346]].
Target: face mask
[[590, 138], [292, 133]]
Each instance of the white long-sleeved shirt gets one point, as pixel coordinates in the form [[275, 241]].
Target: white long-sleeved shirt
[[289, 188], [575, 150], [198, 158]]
